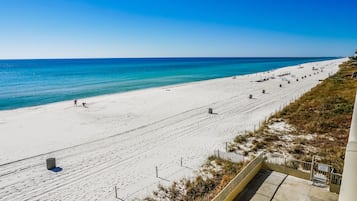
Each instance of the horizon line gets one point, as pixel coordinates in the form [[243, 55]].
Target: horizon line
[[189, 57]]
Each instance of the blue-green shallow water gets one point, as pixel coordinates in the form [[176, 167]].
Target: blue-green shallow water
[[26, 83]]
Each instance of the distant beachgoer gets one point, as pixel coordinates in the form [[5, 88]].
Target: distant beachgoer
[[75, 102], [84, 104]]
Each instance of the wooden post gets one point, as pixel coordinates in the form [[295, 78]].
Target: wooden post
[[181, 162], [312, 167], [116, 193], [157, 172], [284, 163]]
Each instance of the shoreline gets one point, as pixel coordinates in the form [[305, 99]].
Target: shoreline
[[171, 85], [154, 126], [33, 101]]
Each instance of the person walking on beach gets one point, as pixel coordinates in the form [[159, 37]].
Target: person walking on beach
[[75, 102]]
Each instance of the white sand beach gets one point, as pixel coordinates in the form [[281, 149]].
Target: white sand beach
[[119, 139]]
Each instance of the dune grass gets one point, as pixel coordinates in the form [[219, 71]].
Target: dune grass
[[320, 119], [213, 177]]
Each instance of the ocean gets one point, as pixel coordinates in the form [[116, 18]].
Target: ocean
[[25, 83]]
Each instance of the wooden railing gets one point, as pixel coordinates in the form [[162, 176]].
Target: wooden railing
[[298, 168], [336, 178], [238, 183]]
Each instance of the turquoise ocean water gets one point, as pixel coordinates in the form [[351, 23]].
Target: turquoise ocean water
[[26, 83]]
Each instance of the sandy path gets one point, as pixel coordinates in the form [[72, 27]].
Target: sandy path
[[122, 145]]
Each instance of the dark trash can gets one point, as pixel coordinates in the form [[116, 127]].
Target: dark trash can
[[210, 111], [51, 163]]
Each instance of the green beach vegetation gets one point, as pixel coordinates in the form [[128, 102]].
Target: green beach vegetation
[[317, 124], [214, 175]]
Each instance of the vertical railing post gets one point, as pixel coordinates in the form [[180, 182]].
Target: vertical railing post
[[331, 175], [312, 168], [285, 164]]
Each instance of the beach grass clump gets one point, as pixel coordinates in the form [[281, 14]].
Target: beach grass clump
[[215, 174], [240, 139], [297, 150]]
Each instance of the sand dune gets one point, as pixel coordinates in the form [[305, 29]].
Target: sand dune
[[120, 138]]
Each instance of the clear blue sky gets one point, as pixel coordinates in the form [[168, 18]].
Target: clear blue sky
[[176, 28]]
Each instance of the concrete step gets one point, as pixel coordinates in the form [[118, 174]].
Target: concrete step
[[262, 187]]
